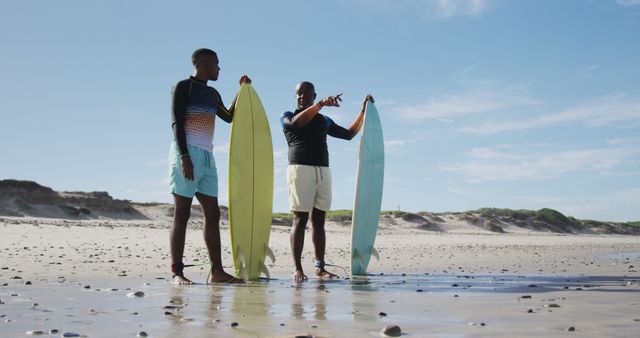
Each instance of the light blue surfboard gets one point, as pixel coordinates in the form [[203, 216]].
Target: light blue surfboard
[[368, 198]]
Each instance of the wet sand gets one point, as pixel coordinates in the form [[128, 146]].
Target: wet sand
[[84, 279]]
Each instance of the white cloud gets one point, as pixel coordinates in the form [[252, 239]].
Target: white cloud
[[222, 149], [628, 3], [280, 160], [610, 110], [472, 102], [390, 145], [432, 8], [505, 163], [449, 8], [585, 73]]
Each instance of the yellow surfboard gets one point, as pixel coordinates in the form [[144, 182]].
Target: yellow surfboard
[[250, 186]]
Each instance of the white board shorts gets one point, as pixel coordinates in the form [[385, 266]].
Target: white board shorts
[[309, 187]]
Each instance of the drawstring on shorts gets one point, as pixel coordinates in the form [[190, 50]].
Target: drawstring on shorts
[[321, 176]]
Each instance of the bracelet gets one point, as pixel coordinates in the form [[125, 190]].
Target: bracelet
[[320, 105], [184, 156]]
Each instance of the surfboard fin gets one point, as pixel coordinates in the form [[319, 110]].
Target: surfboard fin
[[375, 253], [265, 271], [269, 253]]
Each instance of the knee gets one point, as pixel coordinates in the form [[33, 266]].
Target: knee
[[300, 219], [182, 213], [214, 214]]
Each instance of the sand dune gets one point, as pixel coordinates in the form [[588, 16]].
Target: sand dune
[[29, 199]]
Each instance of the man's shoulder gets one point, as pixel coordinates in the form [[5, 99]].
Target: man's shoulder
[[182, 84]]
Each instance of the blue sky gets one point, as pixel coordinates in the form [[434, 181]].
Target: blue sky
[[484, 103]]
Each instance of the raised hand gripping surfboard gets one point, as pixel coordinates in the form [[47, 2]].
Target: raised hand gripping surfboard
[[250, 186], [368, 197]]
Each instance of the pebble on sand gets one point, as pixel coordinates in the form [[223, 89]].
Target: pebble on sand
[[392, 331], [35, 333], [382, 314], [234, 324], [552, 305], [571, 328], [142, 334], [70, 334], [54, 331], [136, 294]]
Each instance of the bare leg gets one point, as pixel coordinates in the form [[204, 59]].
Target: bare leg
[[211, 234], [297, 243], [319, 241], [177, 236]]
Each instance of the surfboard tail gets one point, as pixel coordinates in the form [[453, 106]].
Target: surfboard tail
[[241, 266], [356, 257]]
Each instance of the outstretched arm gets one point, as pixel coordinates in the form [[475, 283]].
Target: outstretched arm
[[359, 121], [226, 114], [348, 134], [304, 117]]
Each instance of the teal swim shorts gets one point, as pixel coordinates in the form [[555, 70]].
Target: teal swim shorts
[[205, 176]]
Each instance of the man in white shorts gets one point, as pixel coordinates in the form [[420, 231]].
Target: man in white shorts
[[308, 174]]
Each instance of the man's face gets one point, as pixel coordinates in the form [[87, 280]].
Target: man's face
[[212, 68], [305, 95]]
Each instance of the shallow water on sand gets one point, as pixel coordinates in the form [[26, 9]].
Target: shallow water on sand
[[422, 305]]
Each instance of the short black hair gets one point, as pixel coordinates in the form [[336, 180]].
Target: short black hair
[[307, 83], [199, 53]]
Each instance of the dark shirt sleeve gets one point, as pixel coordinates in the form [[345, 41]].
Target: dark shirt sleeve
[[179, 97], [286, 119], [225, 114], [337, 131]]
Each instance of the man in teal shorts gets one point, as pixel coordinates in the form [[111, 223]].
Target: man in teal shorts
[[192, 166]]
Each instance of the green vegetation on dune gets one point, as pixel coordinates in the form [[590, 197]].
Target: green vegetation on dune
[[517, 214], [394, 213], [283, 215], [545, 219], [339, 213], [553, 217]]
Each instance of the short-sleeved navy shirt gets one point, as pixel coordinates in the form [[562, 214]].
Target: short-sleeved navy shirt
[[308, 144]]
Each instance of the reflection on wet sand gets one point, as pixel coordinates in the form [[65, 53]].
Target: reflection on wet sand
[[339, 308]]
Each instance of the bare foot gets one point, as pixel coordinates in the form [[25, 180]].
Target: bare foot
[[223, 277], [324, 274], [298, 276], [181, 280]]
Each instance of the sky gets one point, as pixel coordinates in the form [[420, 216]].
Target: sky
[[484, 103]]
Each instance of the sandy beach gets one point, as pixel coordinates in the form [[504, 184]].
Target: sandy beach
[[107, 278]]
